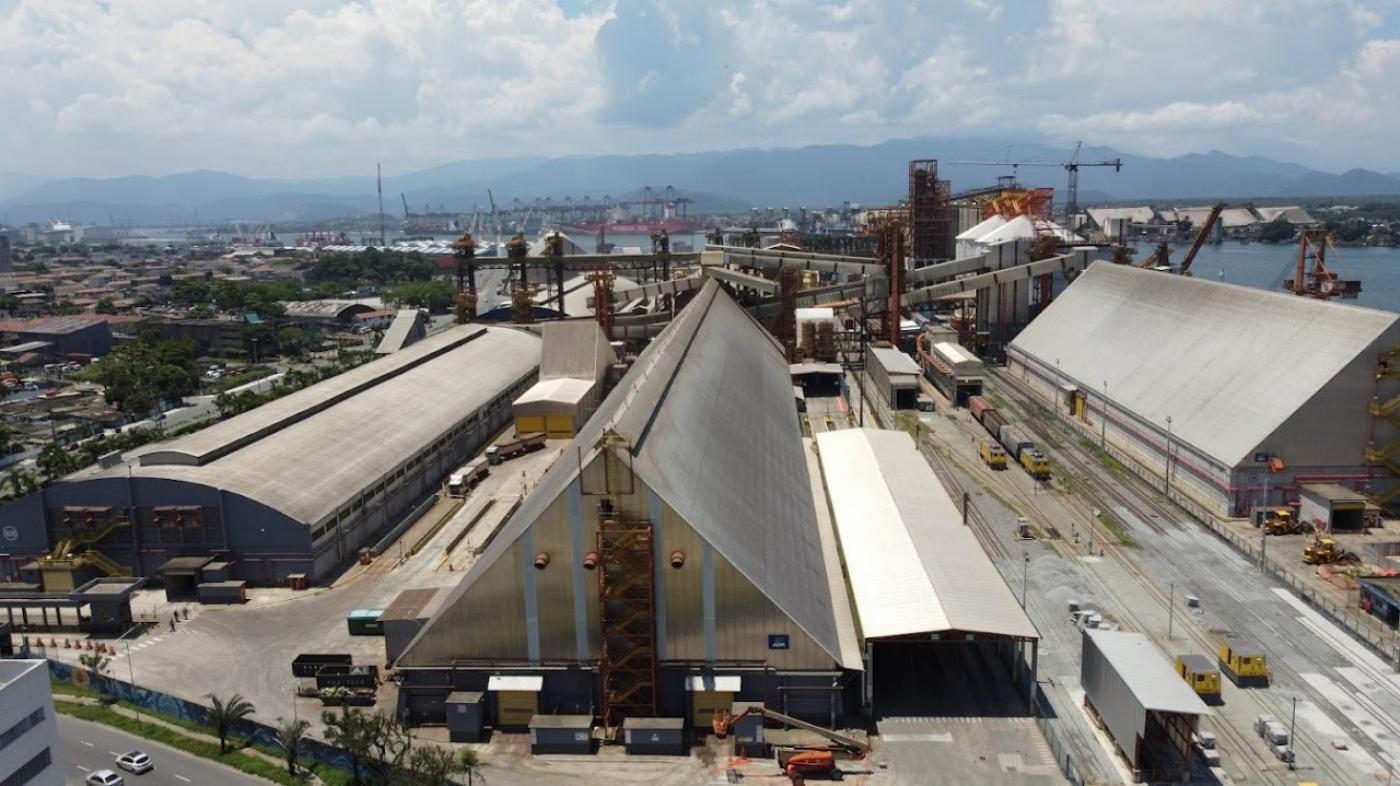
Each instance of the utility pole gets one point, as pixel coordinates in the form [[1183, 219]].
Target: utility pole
[[1025, 576], [1292, 727], [1167, 474], [966, 499], [1171, 609], [1103, 420]]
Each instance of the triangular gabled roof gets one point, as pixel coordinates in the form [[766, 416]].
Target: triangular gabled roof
[[708, 409]]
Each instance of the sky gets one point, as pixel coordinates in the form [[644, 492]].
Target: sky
[[326, 87]]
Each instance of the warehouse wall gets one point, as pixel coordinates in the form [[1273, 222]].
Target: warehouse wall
[[564, 593]]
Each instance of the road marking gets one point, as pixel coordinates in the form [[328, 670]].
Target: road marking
[[85, 742], [81, 767], [933, 737], [183, 778], [114, 753]]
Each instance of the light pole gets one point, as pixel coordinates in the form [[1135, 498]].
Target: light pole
[[1103, 419], [1292, 727], [1167, 475], [1171, 609], [131, 668], [1025, 576], [1055, 394]]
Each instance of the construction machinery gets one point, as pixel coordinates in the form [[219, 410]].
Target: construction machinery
[[801, 761], [1279, 521], [1161, 257], [1071, 166], [1325, 551]]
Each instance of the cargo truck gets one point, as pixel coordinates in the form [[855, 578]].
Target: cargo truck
[[518, 445]]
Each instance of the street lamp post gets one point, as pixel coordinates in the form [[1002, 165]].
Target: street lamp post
[[1292, 728], [1171, 609], [1103, 419], [1167, 475], [1025, 576]]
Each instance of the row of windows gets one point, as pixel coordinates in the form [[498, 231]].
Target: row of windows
[[486, 415], [25, 724], [30, 769]]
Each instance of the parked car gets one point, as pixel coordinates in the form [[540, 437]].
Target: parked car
[[104, 778], [135, 762]]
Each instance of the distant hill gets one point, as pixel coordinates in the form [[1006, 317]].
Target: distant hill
[[813, 176]]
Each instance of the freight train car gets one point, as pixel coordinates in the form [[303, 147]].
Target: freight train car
[[1019, 446]]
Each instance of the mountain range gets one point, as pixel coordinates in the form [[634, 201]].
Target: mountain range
[[812, 176]]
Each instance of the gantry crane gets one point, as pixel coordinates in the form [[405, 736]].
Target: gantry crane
[[1071, 166]]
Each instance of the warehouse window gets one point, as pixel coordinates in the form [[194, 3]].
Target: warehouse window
[[25, 724], [30, 769]]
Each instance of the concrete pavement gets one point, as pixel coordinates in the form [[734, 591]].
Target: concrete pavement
[[86, 747]]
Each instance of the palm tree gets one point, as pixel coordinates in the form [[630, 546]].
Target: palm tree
[[223, 714], [470, 763], [95, 663], [289, 736]]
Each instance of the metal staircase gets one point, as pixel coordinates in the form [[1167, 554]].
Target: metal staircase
[[77, 549], [1388, 410], [627, 669]]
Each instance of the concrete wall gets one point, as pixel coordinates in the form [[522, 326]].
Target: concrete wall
[[24, 689]]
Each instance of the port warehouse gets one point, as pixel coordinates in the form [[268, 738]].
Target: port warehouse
[[698, 456], [1244, 389], [298, 485]]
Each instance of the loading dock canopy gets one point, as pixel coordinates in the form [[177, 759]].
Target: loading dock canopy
[[533, 683], [184, 566], [1146, 673], [913, 567], [701, 683]]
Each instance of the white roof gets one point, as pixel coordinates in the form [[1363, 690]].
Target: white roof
[[1146, 672], [561, 390], [699, 683], [1022, 228], [956, 352], [986, 226], [913, 567], [1229, 364], [1292, 214], [1134, 215], [894, 361], [524, 682]]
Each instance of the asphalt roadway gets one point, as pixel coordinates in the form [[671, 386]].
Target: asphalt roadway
[[85, 747]]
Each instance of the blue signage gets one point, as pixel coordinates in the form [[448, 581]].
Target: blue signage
[[778, 641]]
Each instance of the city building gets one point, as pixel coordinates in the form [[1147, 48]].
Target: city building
[[298, 485], [28, 732], [70, 336], [326, 313], [1239, 394]]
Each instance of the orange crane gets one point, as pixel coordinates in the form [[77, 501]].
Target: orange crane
[[802, 760]]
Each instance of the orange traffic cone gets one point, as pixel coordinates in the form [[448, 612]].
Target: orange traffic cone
[[111, 650], [87, 645], [67, 644], [53, 642]]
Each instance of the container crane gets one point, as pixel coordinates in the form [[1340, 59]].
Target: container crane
[[1160, 257], [1070, 165]]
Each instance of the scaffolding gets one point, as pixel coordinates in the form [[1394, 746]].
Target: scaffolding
[[930, 219], [1386, 407], [627, 667]]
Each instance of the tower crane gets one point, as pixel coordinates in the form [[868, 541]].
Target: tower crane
[[1071, 166]]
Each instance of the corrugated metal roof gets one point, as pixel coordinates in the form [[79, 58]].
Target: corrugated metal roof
[[1146, 672], [894, 361], [401, 331], [577, 349], [311, 452], [1229, 364], [913, 566], [712, 392]]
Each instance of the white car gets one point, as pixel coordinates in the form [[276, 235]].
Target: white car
[[135, 762], [104, 778]]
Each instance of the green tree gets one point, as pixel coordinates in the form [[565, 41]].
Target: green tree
[[224, 714], [95, 663], [430, 765], [21, 482], [376, 743], [64, 308], [469, 763], [291, 340], [1277, 231], [200, 311], [140, 374], [7, 440], [289, 736], [55, 462], [436, 296], [106, 306]]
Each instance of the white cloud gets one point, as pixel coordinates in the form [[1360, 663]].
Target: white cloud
[[327, 86]]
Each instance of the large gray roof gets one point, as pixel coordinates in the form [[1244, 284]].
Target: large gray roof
[[708, 406], [1146, 672], [1229, 364], [913, 567], [310, 452]]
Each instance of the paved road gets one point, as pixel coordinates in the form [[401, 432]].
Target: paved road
[[92, 746]]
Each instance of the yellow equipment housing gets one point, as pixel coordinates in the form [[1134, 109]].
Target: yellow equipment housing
[[994, 455], [1202, 675], [1245, 664], [1036, 463]]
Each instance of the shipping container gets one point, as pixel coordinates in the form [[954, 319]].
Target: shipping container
[[561, 734], [365, 622], [212, 592], [333, 676], [308, 663]]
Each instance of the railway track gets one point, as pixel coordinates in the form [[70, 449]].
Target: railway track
[[1102, 486]]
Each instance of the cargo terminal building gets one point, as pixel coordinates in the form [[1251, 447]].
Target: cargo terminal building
[[1241, 395], [682, 556], [296, 486]]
